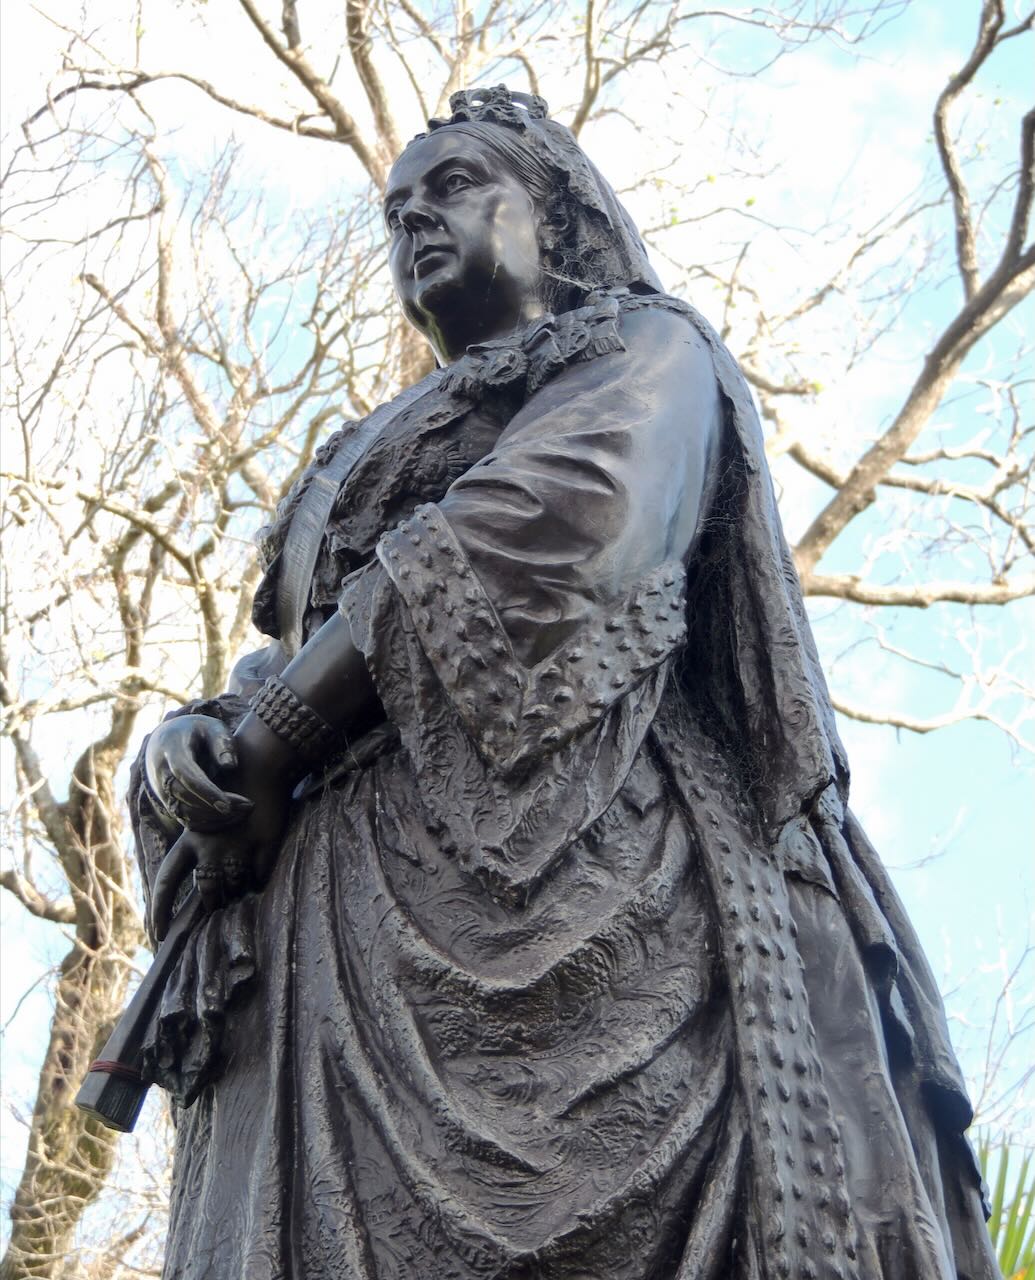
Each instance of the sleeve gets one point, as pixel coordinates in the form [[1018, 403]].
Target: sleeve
[[599, 479], [548, 583]]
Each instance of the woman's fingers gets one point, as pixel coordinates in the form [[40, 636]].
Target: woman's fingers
[[196, 801], [208, 874], [175, 866], [192, 786], [184, 756], [222, 871], [235, 874], [222, 745]]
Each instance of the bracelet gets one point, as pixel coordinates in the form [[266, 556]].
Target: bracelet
[[290, 719]]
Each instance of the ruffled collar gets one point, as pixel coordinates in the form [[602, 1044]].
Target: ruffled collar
[[525, 361]]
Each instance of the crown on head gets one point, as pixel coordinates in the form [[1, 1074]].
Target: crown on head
[[497, 105]]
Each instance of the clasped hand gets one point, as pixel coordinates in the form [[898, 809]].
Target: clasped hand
[[231, 798]]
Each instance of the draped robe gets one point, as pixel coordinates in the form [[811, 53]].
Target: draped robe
[[578, 967]]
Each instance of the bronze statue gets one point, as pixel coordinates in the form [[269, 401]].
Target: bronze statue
[[540, 943]]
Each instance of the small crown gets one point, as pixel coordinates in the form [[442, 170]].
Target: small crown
[[497, 105]]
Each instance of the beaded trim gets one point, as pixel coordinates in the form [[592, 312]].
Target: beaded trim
[[547, 705], [290, 719]]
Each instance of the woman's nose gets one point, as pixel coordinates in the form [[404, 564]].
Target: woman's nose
[[417, 215]]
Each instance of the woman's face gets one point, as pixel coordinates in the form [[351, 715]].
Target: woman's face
[[464, 252]]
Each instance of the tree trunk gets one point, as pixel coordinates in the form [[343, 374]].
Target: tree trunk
[[69, 1155]]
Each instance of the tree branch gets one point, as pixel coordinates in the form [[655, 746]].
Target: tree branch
[[929, 486], [345, 127], [61, 911], [289, 24], [590, 75], [897, 721], [360, 49], [999, 295], [1025, 190], [140, 79], [991, 20], [425, 28], [918, 596], [51, 812]]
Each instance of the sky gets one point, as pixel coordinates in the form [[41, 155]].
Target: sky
[[950, 812]]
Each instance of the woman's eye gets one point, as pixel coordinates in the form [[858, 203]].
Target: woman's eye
[[392, 218], [455, 182]]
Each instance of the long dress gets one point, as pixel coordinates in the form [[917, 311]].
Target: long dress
[[578, 967]]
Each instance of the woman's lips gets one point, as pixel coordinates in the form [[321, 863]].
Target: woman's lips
[[425, 260]]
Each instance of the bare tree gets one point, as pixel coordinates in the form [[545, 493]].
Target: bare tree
[[158, 425], [209, 341], [940, 495]]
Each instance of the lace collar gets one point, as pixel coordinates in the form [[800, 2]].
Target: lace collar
[[526, 361]]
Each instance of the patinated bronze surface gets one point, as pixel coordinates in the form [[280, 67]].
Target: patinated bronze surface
[[570, 962]]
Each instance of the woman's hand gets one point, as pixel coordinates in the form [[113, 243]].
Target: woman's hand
[[232, 860], [233, 836], [184, 758]]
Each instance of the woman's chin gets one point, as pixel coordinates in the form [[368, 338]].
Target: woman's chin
[[439, 294], [453, 317]]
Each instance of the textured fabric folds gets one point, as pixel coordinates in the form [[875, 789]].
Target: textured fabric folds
[[581, 969]]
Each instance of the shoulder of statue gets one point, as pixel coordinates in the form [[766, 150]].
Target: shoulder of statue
[[594, 329], [630, 302]]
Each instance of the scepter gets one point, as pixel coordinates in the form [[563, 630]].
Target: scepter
[[114, 1089]]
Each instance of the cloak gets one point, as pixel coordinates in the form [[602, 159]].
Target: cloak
[[580, 965]]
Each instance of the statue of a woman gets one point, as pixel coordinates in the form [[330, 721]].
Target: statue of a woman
[[541, 943]]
